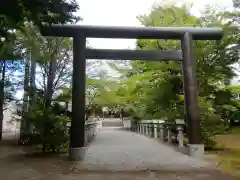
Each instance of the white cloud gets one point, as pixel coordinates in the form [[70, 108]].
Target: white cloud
[[124, 13]]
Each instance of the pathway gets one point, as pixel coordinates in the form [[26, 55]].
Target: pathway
[[114, 155], [116, 149]]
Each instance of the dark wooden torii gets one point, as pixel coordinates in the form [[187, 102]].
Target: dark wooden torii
[[79, 33]]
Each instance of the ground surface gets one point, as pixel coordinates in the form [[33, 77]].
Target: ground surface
[[114, 154], [227, 152], [114, 149], [229, 141], [14, 165]]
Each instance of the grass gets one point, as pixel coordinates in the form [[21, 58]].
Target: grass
[[235, 130], [226, 154], [228, 161]]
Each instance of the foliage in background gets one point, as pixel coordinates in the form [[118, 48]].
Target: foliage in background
[[14, 13], [155, 89], [48, 127]]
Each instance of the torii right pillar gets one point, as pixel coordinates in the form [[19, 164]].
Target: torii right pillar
[[195, 144]]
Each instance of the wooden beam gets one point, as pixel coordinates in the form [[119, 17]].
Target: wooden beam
[[132, 32], [117, 54]]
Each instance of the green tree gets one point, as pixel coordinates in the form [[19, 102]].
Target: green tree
[[157, 87], [17, 15], [14, 13]]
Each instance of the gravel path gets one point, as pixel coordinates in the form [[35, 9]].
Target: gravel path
[[114, 149], [16, 166], [114, 155]]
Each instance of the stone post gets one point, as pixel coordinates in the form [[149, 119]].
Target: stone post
[[161, 132], [150, 127], [145, 128], [180, 136], [155, 134], [169, 134], [152, 130]]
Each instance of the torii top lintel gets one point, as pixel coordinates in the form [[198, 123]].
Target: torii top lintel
[[132, 32]]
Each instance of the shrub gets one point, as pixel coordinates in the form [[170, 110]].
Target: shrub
[[47, 129]]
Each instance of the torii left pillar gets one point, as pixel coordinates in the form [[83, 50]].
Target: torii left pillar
[[77, 135]]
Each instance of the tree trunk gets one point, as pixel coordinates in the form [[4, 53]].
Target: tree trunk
[[94, 113], [32, 89], [24, 124], [44, 148], [50, 81], [32, 83], [2, 97], [102, 114], [66, 107]]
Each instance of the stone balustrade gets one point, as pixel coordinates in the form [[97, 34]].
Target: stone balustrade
[[127, 123], [92, 127], [171, 133], [90, 132]]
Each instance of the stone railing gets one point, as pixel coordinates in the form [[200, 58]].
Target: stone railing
[[171, 133], [127, 123], [92, 127]]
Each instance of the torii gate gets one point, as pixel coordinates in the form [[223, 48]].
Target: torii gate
[[186, 35]]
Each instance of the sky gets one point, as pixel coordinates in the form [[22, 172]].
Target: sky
[[124, 13]]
